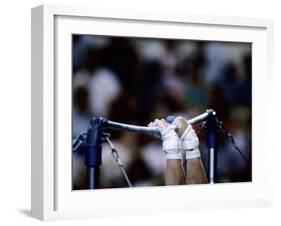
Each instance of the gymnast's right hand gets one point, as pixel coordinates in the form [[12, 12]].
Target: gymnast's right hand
[[188, 137]]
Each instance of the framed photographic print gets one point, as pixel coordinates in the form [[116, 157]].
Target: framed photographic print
[[137, 112]]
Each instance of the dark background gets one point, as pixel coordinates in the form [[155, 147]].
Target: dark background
[[135, 80]]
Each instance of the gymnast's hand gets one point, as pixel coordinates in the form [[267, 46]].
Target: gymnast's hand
[[181, 124], [174, 173], [195, 172], [188, 137], [170, 141]]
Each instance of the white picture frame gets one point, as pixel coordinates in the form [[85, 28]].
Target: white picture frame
[[52, 197]]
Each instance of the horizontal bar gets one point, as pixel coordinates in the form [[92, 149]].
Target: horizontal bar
[[152, 130]]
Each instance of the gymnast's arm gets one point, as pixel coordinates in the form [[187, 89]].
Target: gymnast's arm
[[174, 173], [194, 169]]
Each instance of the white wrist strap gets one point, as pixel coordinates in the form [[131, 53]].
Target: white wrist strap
[[190, 143], [172, 147], [173, 155], [192, 154], [171, 144]]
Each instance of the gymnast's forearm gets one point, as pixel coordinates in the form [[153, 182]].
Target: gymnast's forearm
[[174, 174], [195, 172], [194, 169]]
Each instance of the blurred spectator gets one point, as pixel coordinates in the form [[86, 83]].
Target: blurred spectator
[[104, 88], [196, 94], [80, 110]]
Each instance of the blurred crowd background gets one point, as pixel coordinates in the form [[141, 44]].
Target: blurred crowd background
[[136, 80]]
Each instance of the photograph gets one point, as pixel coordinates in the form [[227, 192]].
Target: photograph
[[160, 112], [136, 112]]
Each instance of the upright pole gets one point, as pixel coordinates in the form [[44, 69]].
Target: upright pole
[[93, 152], [211, 126]]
